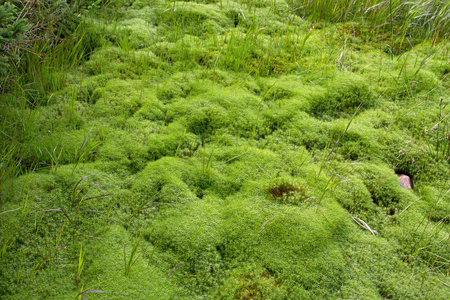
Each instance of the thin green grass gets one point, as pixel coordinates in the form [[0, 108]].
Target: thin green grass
[[128, 263], [437, 139], [402, 20]]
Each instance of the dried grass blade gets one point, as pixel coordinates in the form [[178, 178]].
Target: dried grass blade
[[364, 225], [174, 268], [7, 211], [409, 206], [263, 226], [343, 178]]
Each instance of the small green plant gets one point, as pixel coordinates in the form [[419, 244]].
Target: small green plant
[[131, 260], [81, 263], [180, 142], [10, 161], [55, 156], [437, 139], [81, 186], [35, 269], [6, 240], [77, 199], [27, 202], [86, 149], [144, 204], [207, 162]]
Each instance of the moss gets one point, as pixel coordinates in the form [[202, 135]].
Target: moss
[[205, 120], [434, 203], [308, 131], [119, 99], [220, 108], [251, 282], [179, 85], [123, 60], [385, 190], [404, 86], [344, 95], [143, 272], [195, 18], [138, 31], [160, 178], [206, 115], [355, 197], [84, 90]]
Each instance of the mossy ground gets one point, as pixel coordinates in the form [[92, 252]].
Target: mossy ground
[[186, 115]]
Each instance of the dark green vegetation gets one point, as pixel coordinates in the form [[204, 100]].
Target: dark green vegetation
[[226, 150]]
